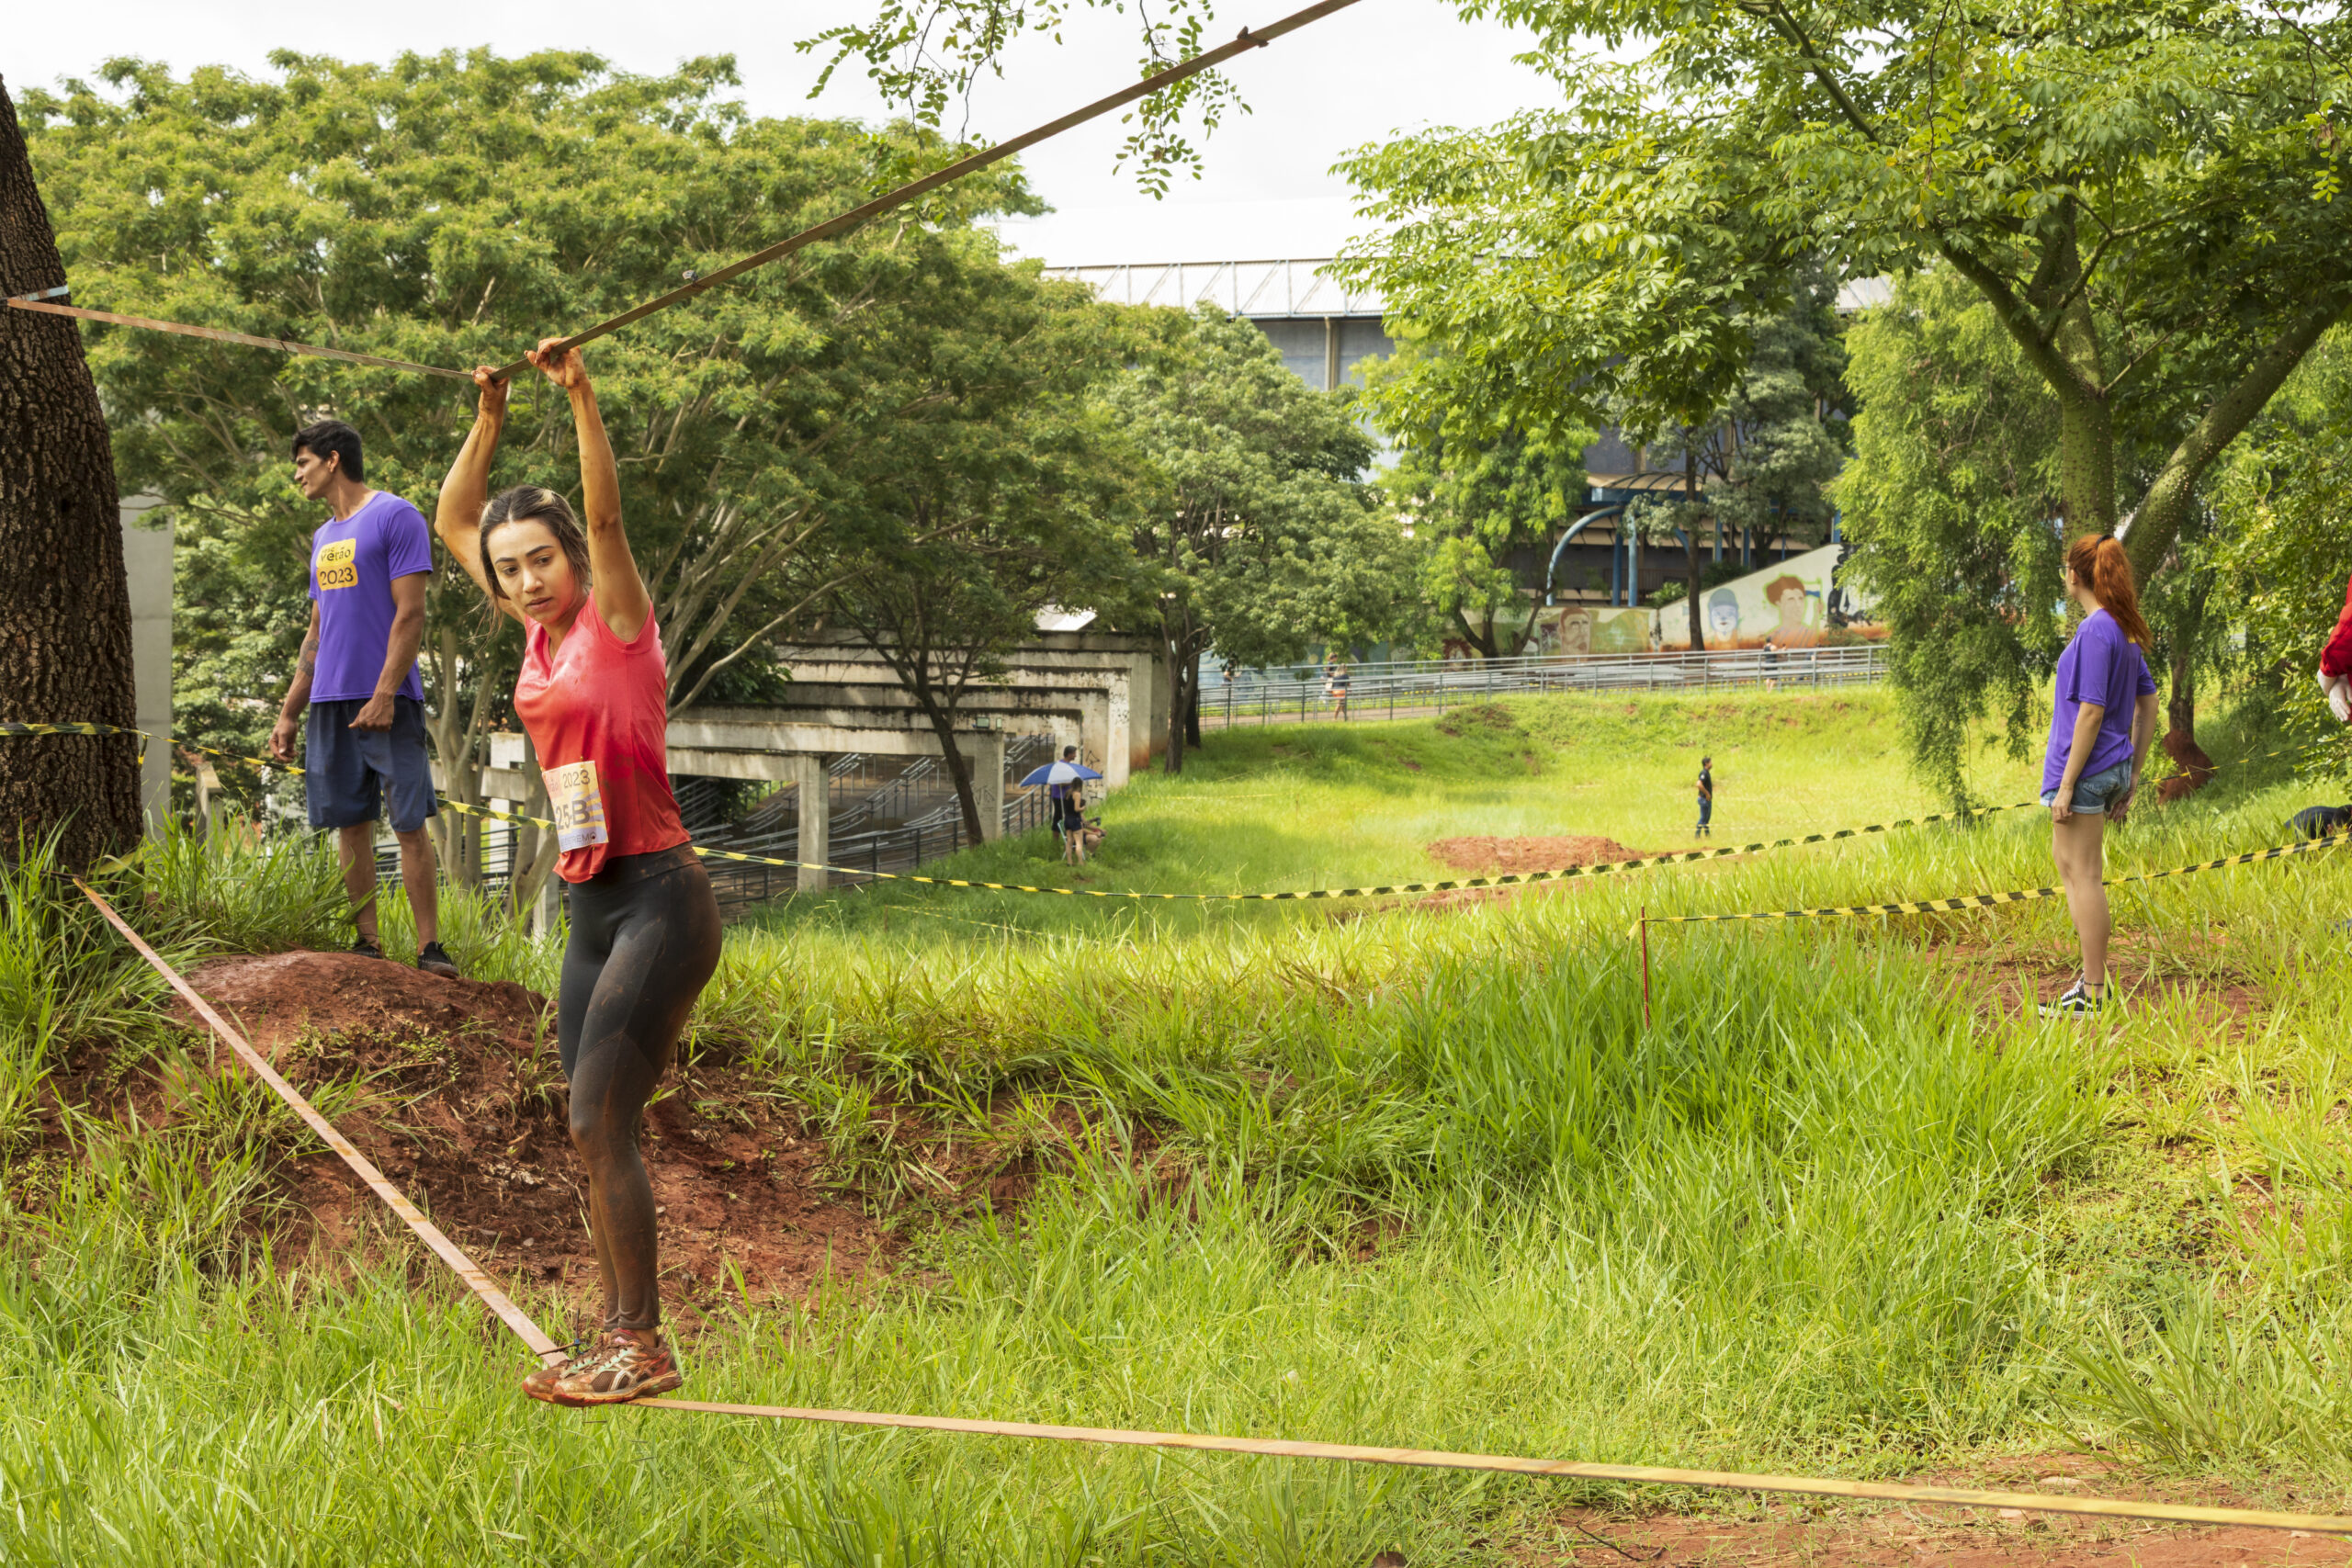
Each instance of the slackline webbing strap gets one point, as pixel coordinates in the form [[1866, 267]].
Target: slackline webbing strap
[[1272, 1448], [856, 216], [222, 334]]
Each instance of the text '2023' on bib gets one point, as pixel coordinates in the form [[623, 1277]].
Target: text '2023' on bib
[[576, 801], [339, 564]]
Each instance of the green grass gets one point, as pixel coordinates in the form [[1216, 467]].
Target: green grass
[[1384, 1176]]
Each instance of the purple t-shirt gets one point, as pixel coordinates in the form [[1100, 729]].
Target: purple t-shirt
[[2101, 665], [352, 566]]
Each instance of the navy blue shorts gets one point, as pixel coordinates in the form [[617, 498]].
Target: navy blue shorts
[[346, 772]]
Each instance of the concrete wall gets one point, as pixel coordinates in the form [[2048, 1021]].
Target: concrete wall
[[1126, 668], [147, 563]]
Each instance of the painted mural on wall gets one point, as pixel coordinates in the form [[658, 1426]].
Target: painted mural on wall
[[1574, 631], [1797, 603]]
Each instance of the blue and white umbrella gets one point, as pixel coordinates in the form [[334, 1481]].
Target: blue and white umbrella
[[1059, 773]]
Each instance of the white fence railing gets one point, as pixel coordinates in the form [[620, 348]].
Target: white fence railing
[[1402, 688]]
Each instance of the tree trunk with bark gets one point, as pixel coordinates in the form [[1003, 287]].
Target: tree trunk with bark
[[951, 756], [1178, 636], [64, 605], [2181, 702], [1690, 551], [1192, 718]]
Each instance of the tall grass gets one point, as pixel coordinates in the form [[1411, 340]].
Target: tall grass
[[1402, 1178]]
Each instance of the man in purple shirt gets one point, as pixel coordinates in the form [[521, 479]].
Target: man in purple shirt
[[357, 678]]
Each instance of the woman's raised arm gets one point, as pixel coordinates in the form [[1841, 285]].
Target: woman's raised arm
[[458, 517], [620, 594]]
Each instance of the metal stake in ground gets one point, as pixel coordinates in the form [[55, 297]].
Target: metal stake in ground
[[1645, 967]]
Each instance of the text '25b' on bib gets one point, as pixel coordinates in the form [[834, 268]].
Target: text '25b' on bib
[[576, 801]]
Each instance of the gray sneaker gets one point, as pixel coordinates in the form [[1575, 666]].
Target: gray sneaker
[[434, 960], [2076, 1001]]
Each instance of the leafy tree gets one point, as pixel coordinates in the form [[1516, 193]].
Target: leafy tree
[[2285, 549], [1257, 536], [926, 55], [1950, 508], [1769, 451], [1470, 500], [1017, 502], [2145, 195], [445, 209]]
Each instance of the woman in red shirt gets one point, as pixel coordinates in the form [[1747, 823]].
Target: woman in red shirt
[[644, 925]]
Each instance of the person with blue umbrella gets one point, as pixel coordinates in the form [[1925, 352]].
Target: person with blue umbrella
[[1064, 781]]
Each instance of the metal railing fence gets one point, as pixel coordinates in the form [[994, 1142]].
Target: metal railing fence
[[1401, 689]]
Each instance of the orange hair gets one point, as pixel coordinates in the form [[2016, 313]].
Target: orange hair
[[2098, 563]]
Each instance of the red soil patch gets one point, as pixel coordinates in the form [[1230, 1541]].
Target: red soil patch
[[464, 1109], [1494, 857], [1921, 1538], [2005, 979], [1490, 855]]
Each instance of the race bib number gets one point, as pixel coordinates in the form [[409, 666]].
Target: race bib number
[[339, 564], [577, 803]]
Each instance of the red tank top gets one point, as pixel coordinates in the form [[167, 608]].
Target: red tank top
[[597, 713]]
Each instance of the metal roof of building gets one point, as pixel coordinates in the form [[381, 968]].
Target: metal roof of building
[[1265, 290], [1260, 290]]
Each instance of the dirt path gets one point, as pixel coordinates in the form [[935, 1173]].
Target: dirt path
[[1923, 1538]]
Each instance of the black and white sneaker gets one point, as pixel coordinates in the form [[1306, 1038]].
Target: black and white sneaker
[[365, 946], [434, 960], [2077, 1000]]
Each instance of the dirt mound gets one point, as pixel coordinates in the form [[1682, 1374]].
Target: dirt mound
[[454, 1088], [277, 997], [1489, 854]]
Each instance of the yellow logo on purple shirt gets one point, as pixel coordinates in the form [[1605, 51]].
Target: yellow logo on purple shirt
[[338, 565]]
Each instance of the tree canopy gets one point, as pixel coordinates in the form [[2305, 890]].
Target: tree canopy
[[2145, 195], [1256, 534], [450, 209], [1471, 498]]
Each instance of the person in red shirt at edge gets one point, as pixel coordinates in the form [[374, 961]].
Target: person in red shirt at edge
[[644, 936], [2335, 664]]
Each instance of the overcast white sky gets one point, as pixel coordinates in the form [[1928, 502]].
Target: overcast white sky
[[1266, 192]]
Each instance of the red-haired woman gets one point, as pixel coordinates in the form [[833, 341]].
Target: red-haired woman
[[2098, 736]]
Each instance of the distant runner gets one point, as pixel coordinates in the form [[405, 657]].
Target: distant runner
[[357, 676], [1336, 682], [1706, 797], [2105, 715], [644, 922]]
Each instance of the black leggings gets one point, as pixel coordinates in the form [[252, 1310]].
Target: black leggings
[[644, 942]]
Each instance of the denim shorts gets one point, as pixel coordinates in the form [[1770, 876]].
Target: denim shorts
[[348, 773], [2095, 793]]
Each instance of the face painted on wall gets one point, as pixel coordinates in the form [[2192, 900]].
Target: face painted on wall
[[1723, 612]]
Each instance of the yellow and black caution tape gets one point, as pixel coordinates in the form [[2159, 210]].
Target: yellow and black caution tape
[[1385, 890], [11, 727], [1990, 900]]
